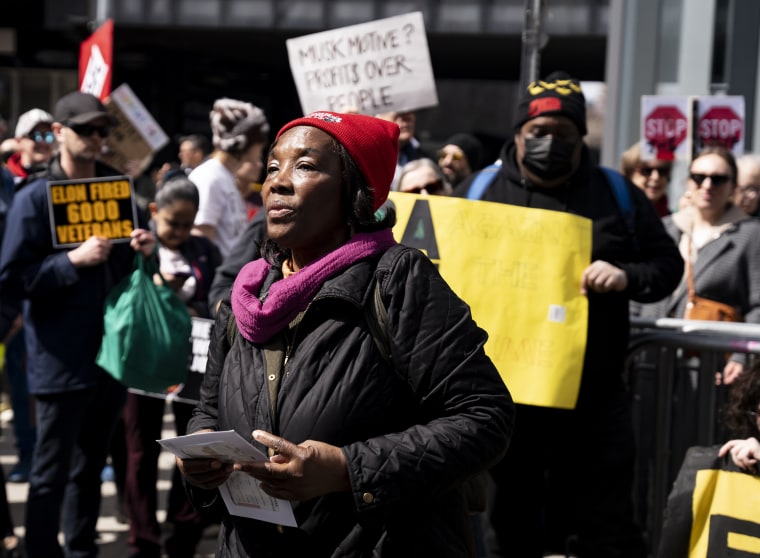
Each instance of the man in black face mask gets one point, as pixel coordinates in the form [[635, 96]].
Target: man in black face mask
[[565, 485]]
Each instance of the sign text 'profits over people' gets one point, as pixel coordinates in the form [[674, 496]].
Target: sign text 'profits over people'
[[374, 67]]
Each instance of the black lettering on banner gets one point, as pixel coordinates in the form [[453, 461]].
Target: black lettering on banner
[[721, 526], [420, 233]]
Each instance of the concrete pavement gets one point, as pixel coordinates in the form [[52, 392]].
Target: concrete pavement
[[112, 539]]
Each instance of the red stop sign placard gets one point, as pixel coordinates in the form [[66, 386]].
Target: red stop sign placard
[[664, 129], [720, 126]]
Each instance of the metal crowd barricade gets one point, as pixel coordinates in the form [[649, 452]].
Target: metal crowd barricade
[[671, 368]]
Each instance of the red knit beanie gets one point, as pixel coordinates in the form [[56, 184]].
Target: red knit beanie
[[371, 142]]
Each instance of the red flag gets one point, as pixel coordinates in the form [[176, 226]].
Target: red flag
[[96, 62]]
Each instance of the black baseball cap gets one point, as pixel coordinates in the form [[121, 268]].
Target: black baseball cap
[[80, 108]]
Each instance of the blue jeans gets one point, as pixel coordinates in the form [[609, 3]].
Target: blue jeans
[[73, 436], [15, 368]]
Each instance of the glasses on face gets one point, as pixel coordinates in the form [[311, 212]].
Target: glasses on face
[[41, 137], [749, 191], [455, 155], [664, 172], [86, 130], [716, 180], [430, 188]]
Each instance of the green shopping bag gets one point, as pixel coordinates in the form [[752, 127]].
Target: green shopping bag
[[146, 332]]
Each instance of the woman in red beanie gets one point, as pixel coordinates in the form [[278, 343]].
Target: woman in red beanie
[[373, 412]]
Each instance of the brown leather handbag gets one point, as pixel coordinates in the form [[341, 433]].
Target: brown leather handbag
[[700, 308]]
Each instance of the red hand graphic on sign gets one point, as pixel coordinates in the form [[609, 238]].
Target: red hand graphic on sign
[[664, 129]]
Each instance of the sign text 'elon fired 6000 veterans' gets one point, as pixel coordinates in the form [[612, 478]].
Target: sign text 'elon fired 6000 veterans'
[[80, 209]]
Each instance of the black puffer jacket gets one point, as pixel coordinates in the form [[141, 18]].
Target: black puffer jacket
[[411, 436]]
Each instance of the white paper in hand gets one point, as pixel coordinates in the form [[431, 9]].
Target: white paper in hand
[[241, 493]]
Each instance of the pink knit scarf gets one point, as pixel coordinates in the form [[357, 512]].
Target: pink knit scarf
[[287, 297]]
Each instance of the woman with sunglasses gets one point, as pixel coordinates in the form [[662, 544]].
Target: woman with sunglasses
[[651, 177], [720, 240], [423, 176]]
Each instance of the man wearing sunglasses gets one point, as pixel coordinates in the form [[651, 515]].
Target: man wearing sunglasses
[[63, 292], [565, 485], [35, 140]]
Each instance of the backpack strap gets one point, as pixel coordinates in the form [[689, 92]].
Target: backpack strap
[[482, 181], [377, 319], [623, 198], [231, 329]]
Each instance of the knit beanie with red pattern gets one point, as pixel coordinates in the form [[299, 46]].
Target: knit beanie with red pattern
[[371, 142], [557, 94]]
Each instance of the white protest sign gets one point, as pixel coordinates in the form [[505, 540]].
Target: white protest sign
[[136, 136], [139, 117], [379, 66], [96, 73], [665, 127], [720, 121]]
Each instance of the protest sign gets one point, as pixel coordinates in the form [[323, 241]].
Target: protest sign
[[379, 66], [678, 127], [136, 136], [711, 510], [519, 269], [720, 121], [96, 62], [80, 209], [665, 127]]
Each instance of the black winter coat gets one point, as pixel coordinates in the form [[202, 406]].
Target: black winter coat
[[653, 270], [411, 435]]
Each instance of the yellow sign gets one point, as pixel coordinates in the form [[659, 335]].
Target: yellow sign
[[519, 269], [80, 209], [725, 514]]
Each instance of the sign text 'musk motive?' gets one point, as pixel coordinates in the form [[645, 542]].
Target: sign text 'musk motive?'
[[80, 209]]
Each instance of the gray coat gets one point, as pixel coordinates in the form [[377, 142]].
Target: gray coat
[[726, 268]]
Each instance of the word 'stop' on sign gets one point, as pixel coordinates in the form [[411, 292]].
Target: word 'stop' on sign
[[720, 126], [665, 128]]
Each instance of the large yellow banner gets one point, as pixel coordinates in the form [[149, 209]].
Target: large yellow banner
[[519, 269]]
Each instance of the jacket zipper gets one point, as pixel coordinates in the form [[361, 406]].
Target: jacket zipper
[[292, 342]]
